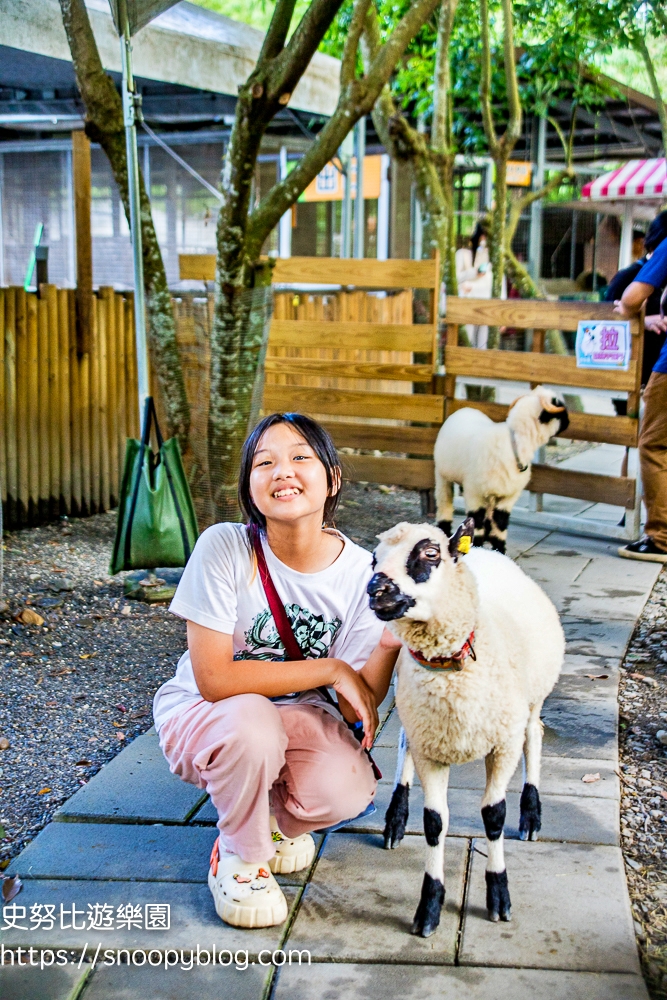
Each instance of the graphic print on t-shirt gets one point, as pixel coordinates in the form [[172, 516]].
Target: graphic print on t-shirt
[[314, 634]]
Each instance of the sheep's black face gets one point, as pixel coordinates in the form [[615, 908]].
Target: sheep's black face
[[546, 416], [387, 600], [424, 557]]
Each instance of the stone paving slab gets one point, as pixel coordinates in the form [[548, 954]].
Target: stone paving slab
[[127, 982], [192, 916], [560, 775], [591, 637], [564, 818], [361, 900], [579, 666], [136, 786], [580, 688], [389, 734], [575, 728], [570, 910], [25, 982], [335, 981], [117, 851], [583, 586]]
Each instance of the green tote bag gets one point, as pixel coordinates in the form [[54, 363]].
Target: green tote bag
[[157, 524]]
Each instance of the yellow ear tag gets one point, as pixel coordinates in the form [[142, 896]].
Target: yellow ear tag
[[464, 545]]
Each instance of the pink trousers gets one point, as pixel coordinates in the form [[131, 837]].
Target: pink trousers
[[243, 748]]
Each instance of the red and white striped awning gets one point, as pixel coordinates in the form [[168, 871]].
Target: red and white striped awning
[[637, 179]]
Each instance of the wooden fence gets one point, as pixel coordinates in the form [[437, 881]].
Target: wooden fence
[[362, 366], [64, 414]]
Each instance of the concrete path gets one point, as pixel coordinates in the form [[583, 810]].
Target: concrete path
[[132, 847]]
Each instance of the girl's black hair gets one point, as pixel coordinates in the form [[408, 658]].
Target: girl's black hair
[[318, 439], [656, 232]]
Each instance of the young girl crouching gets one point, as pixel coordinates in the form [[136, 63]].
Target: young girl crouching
[[243, 720]]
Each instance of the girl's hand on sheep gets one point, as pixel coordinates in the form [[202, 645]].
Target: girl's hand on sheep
[[356, 700], [389, 640]]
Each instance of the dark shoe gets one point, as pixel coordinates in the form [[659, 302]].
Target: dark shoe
[[645, 549]]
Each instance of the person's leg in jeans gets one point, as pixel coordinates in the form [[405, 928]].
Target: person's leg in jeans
[[327, 777], [653, 458]]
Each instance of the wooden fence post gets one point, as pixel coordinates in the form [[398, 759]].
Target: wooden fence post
[[81, 173], [31, 377], [75, 409], [52, 403], [94, 410], [64, 437], [41, 446], [3, 417], [9, 429], [102, 402]]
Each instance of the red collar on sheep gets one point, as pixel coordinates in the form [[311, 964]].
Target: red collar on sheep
[[447, 663]]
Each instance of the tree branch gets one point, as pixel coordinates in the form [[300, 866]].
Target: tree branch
[[290, 65], [513, 130], [384, 108], [641, 46], [274, 40], [356, 100], [485, 85], [348, 69], [442, 128]]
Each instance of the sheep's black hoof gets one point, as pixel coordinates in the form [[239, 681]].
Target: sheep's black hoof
[[498, 901], [427, 916], [445, 526], [530, 819], [396, 817]]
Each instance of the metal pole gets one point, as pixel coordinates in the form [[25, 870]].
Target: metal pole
[[359, 205], [285, 224], [535, 242], [345, 153], [383, 210], [130, 113]]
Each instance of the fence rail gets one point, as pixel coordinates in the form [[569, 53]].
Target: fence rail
[[64, 414]]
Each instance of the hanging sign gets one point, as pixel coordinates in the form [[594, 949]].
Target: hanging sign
[[329, 185], [519, 173], [603, 344]]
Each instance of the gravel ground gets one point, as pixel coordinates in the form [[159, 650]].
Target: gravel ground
[[643, 714], [79, 687]]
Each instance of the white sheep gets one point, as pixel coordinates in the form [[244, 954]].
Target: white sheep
[[482, 649], [491, 461]]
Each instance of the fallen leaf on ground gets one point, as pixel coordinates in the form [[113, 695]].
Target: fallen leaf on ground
[[645, 679], [590, 778], [26, 654], [4, 743], [98, 583], [4, 864], [51, 704], [10, 888], [597, 677], [59, 673], [120, 736], [87, 656], [30, 617], [117, 724], [82, 763], [142, 713], [43, 791]]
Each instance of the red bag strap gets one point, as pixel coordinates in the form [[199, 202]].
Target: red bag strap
[[277, 607]]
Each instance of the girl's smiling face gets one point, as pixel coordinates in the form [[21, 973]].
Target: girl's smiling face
[[287, 481]]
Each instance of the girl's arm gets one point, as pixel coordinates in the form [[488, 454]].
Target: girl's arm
[[219, 676], [377, 671]]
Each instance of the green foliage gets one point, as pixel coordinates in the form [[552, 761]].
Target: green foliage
[[257, 14]]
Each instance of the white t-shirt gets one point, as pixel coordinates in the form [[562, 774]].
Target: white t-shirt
[[328, 610]]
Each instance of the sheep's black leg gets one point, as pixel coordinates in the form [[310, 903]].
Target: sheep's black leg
[[478, 516], [498, 525], [434, 778], [396, 817], [500, 766], [530, 820]]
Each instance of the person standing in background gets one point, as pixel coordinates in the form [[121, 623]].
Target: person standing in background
[[649, 279]]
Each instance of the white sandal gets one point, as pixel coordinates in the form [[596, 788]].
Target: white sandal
[[245, 894], [292, 855]]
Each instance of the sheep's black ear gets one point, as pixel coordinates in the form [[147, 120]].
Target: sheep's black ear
[[462, 538]]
